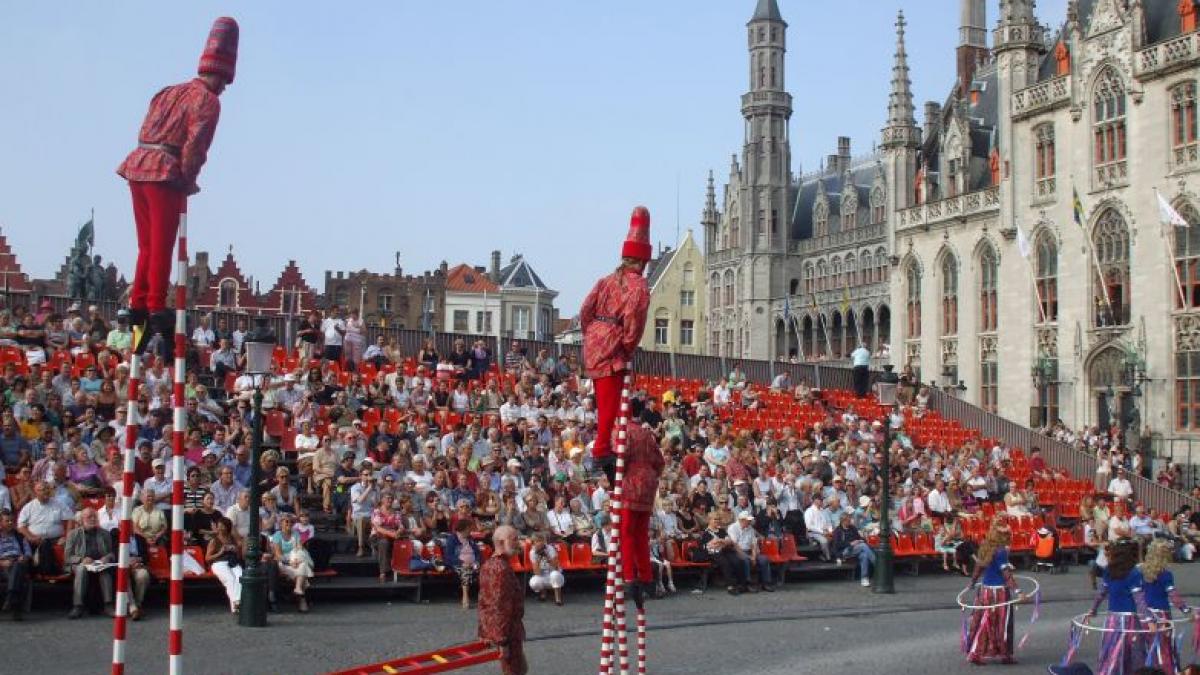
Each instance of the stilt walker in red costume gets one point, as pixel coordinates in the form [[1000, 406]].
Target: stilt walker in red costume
[[162, 171], [613, 318]]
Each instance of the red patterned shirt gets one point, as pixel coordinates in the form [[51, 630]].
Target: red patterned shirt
[[643, 466], [613, 317], [181, 122], [501, 602]]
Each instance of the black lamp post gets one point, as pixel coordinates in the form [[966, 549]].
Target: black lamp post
[[260, 347], [885, 387]]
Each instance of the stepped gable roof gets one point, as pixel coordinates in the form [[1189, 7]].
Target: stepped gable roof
[[14, 280]]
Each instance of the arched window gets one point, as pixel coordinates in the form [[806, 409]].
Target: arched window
[[850, 208], [820, 219], [728, 288], [1110, 239], [851, 270], [1047, 278], [949, 295], [809, 278], [1187, 258], [1043, 151], [989, 270], [1108, 124], [714, 291], [1183, 122], [865, 264], [229, 293], [881, 265], [835, 270], [877, 205], [912, 278], [793, 286], [822, 275]]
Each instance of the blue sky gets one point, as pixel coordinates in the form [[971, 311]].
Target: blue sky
[[439, 129]]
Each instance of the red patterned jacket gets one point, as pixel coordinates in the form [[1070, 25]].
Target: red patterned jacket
[[182, 119], [501, 602], [643, 466], [613, 317]]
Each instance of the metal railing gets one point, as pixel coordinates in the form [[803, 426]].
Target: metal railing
[[1056, 453]]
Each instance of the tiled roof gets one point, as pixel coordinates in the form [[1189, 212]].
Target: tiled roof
[[466, 279]]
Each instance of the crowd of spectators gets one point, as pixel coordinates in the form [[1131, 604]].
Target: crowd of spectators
[[435, 450]]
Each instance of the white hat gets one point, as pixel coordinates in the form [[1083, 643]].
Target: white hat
[[864, 501], [745, 515], [289, 378], [825, 453], [514, 462], [209, 453], [158, 462]]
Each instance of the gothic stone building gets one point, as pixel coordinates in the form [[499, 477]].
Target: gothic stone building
[[1038, 304], [796, 267]]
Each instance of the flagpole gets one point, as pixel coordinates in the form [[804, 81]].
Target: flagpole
[[1169, 241], [1077, 208]]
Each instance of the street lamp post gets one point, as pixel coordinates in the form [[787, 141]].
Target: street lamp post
[[886, 387], [260, 347]]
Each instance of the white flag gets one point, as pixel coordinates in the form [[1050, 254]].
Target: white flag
[[1023, 243], [1167, 214]]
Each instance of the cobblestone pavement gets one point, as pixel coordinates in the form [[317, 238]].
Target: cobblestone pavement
[[812, 626]]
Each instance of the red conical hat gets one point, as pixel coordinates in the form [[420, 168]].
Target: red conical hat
[[220, 52], [637, 243]]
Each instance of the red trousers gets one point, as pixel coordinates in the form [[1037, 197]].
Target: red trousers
[[608, 407], [156, 209], [635, 546]]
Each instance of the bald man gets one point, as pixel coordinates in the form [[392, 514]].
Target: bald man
[[502, 603]]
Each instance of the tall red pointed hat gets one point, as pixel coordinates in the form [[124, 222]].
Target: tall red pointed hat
[[220, 51], [637, 243]]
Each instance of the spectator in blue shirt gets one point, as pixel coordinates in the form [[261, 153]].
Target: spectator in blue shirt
[[14, 449]]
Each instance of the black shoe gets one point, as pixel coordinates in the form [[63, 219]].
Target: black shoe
[[162, 324], [637, 594], [608, 464], [75, 613]]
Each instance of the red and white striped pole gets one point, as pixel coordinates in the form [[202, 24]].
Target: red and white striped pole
[[121, 616], [614, 592], [179, 429]]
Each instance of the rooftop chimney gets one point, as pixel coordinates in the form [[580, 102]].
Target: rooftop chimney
[[495, 272], [933, 119], [843, 153]]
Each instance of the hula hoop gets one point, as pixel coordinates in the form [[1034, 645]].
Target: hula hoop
[[1080, 622], [1021, 595]]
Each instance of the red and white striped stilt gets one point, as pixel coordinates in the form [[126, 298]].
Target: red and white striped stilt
[[641, 641], [179, 429], [121, 617], [614, 625]]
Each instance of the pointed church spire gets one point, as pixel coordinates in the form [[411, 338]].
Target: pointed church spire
[[767, 10], [901, 124]]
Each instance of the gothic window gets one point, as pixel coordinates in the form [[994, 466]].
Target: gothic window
[[1043, 151], [849, 209], [1187, 390], [1047, 278], [949, 295], [714, 291], [953, 171], [809, 278], [821, 219], [989, 270], [1187, 260], [1183, 116], [728, 288], [881, 265], [1108, 118], [714, 343], [793, 286], [867, 273], [835, 269], [1110, 240], [228, 294], [728, 342], [913, 296], [734, 233], [877, 206], [822, 275], [851, 270]]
